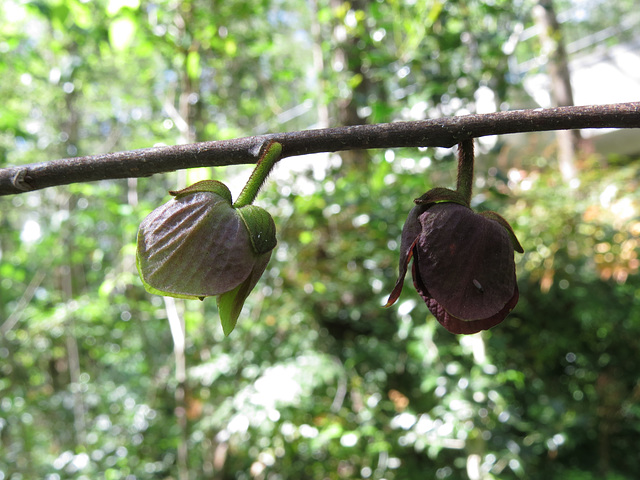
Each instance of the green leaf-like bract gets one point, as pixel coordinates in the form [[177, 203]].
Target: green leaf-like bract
[[439, 195], [213, 186], [262, 230]]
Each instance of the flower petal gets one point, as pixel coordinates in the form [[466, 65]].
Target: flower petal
[[397, 290], [410, 232], [458, 326], [465, 262], [500, 219]]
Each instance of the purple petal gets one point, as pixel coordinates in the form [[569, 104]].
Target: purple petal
[[465, 262], [410, 232], [397, 290], [195, 245], [458, 326]]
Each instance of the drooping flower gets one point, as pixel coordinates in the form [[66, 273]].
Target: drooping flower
[[463, 265], [199, 245]]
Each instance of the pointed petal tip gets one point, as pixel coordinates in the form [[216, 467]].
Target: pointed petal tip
[[229, 308], [500, 219], [395, 293], [390, 302]]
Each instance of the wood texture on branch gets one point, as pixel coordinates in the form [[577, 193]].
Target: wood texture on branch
[[443, 132]]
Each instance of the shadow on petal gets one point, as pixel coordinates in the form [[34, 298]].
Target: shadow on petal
[[455, 325]]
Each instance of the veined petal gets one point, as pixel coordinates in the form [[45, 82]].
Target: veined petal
[[410, 232], [458, 326], [194, 246], [397, 289], [500, 219], [465, 262]]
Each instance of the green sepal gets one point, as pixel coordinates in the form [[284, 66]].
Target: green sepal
[[230, 305], [261, 227], [213, 186], [441, 195], [498, 218]]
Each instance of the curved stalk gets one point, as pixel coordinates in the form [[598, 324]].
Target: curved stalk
[[465, 169], [271, 154]]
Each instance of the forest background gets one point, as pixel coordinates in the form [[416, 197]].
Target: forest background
[[317, 381]]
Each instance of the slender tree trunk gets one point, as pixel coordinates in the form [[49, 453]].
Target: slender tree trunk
[[71, 126], [318, 65], [561, 92], [176, 324], [348, 57], [73, 355], [185, 116]]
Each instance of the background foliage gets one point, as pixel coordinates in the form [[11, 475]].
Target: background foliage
[[317, 381]]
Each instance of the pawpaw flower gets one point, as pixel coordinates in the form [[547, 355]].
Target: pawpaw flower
[[199, 245], [463, 262]]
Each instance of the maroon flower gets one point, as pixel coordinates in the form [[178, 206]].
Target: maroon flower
[[463, 264]]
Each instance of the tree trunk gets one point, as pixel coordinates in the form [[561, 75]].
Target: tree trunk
[[561, 93]]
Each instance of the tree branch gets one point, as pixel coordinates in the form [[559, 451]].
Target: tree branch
[[444, 132]]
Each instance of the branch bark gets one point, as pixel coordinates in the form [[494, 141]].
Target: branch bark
[[444, 132]]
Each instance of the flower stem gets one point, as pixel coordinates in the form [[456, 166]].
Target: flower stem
[[270, 155], [465, 169]]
